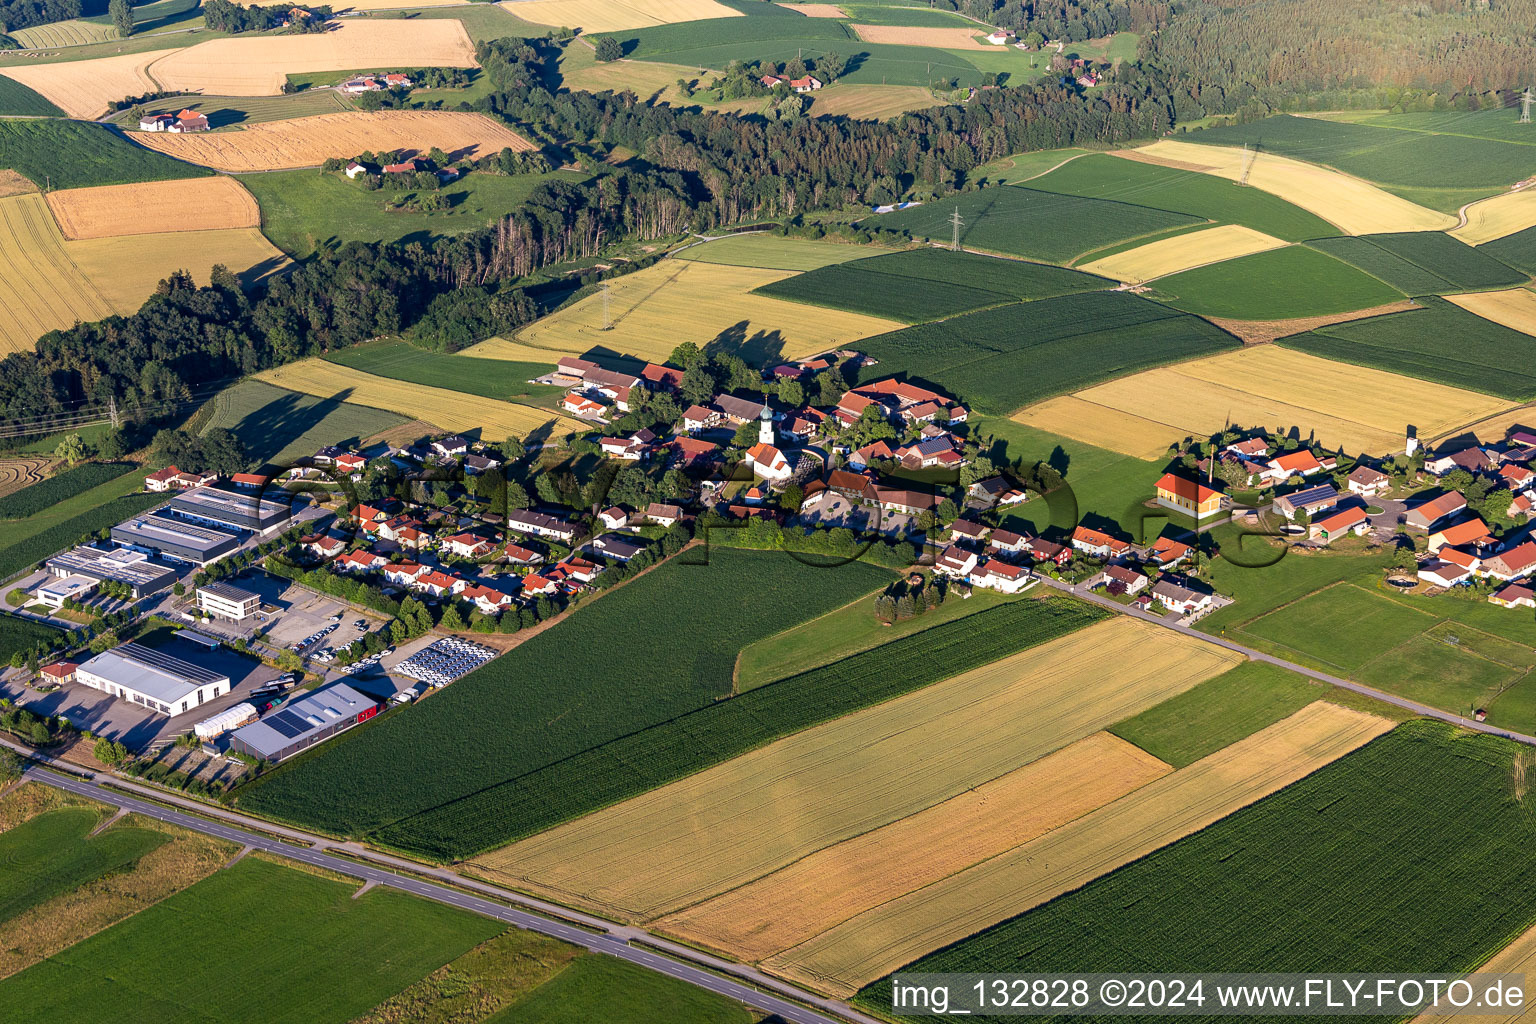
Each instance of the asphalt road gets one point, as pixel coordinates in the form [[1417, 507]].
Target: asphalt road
[[1084, 594], [608, 942]]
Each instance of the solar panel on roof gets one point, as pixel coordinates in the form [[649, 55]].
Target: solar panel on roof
[[287, 723]]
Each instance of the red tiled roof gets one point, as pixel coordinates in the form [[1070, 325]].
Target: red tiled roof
[[1190, 490]]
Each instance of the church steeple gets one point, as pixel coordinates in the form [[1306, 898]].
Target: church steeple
[[765, 426]]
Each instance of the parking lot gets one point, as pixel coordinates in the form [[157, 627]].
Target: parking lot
[[291, 613]]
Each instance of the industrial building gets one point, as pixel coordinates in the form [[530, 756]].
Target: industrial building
[[222, 509], [136, 570], [223, 601], [153, 679], [303, 723], [161, 534]]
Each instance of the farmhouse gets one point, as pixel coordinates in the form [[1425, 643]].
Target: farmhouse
[[315, 717], [1426, 514], [189, 121], [1471, 531], [581, 405], [739, 410], [1473, 460], [1311, 501], [700, 417], [1368, 482], [932, 451], [968, 530], [172, 479], [1515, 595], [690, 452], [810, 83], [998, 575], [1515, 563], [540, 525], [1190, 497], [1352, 520], [999, 37], [861, 458], [613, 518], [1297, 463], [1438, 572], [164, 684]]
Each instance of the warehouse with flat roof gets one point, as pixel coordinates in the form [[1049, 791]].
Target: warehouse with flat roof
[[161, 682], [136, 570], [228, 509], [160, 534], [303, 723]]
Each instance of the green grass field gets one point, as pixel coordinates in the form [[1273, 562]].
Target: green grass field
[[842, 633], [1296, 281], [774, 252], [1397, 272], [1020, 167], [546, 707], [604, 988], [26, 541], [1311, 627], [1410, 159], [16, 100], [489, 378], [1218, 712], [1441, 342], [1037, 225], [1005, 358], [927, 284], [308, 952], [300, 210], [224, 111], [49, 855], [76, 154], [45, 494], [1467, 268], [278, 426], [1374, 861], [1100, 176], [1517, 250]]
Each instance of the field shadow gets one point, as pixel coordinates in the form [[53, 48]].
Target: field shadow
[[265, 432], [762, 348]]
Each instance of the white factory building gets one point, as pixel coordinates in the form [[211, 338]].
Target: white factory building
[[160, 682]]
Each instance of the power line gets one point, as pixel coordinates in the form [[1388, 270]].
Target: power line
[[956, 223], [1525, 106]]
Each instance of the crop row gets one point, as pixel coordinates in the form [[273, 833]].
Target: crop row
[[692, 742], [17, 556], [76, 154], [1466, 267], [1377, 860], [45, 494], [1402, 274]]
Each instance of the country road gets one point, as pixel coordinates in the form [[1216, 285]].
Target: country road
[[606, 937], [1425, 710]]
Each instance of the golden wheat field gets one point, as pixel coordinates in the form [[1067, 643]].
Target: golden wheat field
[[309, 141], [870, 102], [942, 38], [193, 204], [258, 66], [1498, 216], [616, 15], [1182, 252], [501, 348], [83, 88], [1354, 406], [1514, 308], [738, 821], [41, 288], [654, 310], [449, 410], [1355, 206], [74, 32], [127, 269], [868, 946], [642, 77], [812, 894]]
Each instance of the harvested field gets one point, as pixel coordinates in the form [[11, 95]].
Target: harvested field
[[1356, 206], [1182, 252], [874, 943], [72, 32], [501, 348], [816, 10], [308, 141], [13, 183], [258, 66], [1515, 308], [126, 269], [450, 410], [616, 15], [655, 309], [84, 88], [1360, 408], [940, 38], [1519, 957], [1258, 332], [1499, 216], [23, 472], [41, 287], [807, 897], [114, 210], [642, 77], [871, 102], [731, 824], [392, 5], [774, 252]]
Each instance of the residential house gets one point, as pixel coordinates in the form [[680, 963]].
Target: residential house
[[999, 37], [358, 561], [1167, 552], [663, 514], [1181, 599], [157, 122], [1427, 513], [580, 405], [996, 490], [1368, 482], [617, 546], [468, 545], [361, 84], [1128, 580], [406, 531], [1473, 460], [625, 448], [355, 170], [1250, 450], [1301, 462], [1471, 532], [803, 424], [1099, 545], [1008, 542], [397, 81], [906, 502], [59, 673], [955, 561], [189, 121], [439, 584], [1190, 497], [540, 525], [1523, 505], [932, 451], [614, 518], [488, 601], [450, 447], [1511, 564], [700, 417], [327, 456], [404, 574], [995, 574], [662, 378], [324, 546], [861, 458], [1514, 595], [516, 554], [475, 463], [1516, 477], [810, 83], [1312, 500], [690, 452], [1342, 523], [969, 530], [352, 464], [1048, 551]]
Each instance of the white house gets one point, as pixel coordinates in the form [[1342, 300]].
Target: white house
[[768, 462]]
